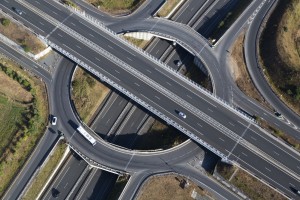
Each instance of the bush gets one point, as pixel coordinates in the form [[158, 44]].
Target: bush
[[5, 22]]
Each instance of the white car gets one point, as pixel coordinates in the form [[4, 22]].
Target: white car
[[181, 114], [20, 12], [53, 121]]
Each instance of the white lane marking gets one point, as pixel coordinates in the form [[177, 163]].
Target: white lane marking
[[253, 138], [59, 35], [73, 24], [41, 23], [189, 96], [129, 58], [137, 84], [149, 71], [222, 139], [168, 83], [268, 169], [110, 46], [292, 184], [117, 71], [244, 154], [210, 110], [54, 12], [66, 184], [231, 123], [157, 97], [276, 153], [78, 47], [199, 124], [91, 35], [97, 59]]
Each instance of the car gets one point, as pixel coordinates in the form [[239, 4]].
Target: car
[[54, 120], [179, 63], [277, 114], [17, 10], [181, 114]]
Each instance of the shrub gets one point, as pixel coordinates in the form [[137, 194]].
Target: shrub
[[5, 22]]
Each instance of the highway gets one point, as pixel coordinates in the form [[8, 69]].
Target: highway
[[178, 86]]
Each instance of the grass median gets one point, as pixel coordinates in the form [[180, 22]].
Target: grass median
[[24, 110], [167, 8], [44, 174]]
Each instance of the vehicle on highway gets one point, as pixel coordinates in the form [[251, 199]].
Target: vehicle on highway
[[17, 10], [277, 114], [178, 63], [181, 114], [86, 135], [55, 193], [54, 121]]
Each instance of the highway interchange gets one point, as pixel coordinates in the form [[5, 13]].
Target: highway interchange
[[164, 87]]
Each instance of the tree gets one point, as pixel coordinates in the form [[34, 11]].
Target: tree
[[5, 22]]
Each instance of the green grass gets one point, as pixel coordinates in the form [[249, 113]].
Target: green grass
[[27, 130], [43, 175], [87, 94], [11, 118], [116, 5]]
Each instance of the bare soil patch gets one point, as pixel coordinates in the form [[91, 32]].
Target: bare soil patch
[[21, 36], [173, 187], [240, 73], [167, 8]]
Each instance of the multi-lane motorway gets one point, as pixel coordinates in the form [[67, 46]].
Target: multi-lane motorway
[[209, 120]]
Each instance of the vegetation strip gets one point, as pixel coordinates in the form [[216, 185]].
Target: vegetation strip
[[25, 121], [167, 7], [43, 175]]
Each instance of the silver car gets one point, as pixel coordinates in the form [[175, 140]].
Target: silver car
[[181, 114]]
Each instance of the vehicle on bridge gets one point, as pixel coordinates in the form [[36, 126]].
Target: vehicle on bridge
[[86, 135]]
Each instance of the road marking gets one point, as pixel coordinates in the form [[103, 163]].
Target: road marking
[[276, 153], [66, 184], [129, 59], [253, 138], [91, 35], [78, 47], [110, 46], [117, 71], [189, 96], [41, 23], [199, 124], [168, 83], [157, 97], [73, 24], [149, 71], [292, 184], [210, 110], [59, 35], [268, 169], [231, 123], [222, 139], [97, 59], [54, 12], [244, 154], [137, 84]]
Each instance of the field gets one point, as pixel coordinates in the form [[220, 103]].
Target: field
[[116, 6], [87, 94], [23, 115], [21, 36], [280, 52], [173, 187]]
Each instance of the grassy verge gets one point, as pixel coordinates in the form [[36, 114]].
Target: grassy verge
[[116, 6], [240, 73], [21, 36], [160, 136], [229, 19], [43, 175], [280, 134], [118, 188], [280, 52], [171, 187], [167, 8], [87, 94], [248, 184], [137, 42], [26, 120]]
